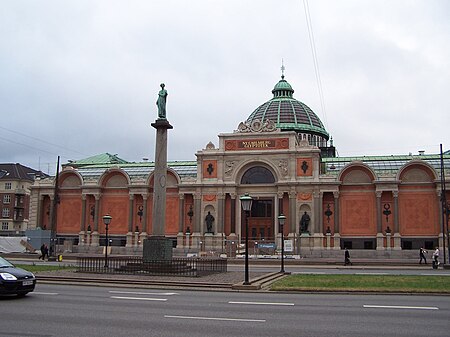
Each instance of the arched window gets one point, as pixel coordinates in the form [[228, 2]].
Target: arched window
[[257, 175]]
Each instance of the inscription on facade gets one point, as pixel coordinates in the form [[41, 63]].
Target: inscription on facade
[[257, 144]]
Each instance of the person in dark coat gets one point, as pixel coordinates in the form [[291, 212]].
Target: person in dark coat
[[42, 252], [45, 252], [422, 253], [347, 257]]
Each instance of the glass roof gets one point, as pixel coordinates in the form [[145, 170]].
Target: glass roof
[[387, 164]]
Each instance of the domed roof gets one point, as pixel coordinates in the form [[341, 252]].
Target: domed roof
[[287, 113]]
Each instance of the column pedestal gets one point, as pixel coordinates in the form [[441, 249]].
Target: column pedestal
[[129, 240], [328, 235], [397, 241], [380, 241], [388, 241], [95, 239], [180, 239], [337, 241], [81, 239]]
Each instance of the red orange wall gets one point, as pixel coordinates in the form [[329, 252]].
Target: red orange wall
[[358, 213]]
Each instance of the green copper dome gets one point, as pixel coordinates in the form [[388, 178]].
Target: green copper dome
[[288, 114]]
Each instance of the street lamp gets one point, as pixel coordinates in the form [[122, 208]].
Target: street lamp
[[106, 220], [246, 204], [281, 220]]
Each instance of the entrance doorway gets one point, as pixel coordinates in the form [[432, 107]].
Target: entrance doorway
[[260, 222]]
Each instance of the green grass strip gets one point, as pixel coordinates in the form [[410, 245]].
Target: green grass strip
[[34, 268], [384, 283]]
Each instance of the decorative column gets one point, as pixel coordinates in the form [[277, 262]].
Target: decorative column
[[218, 242], [337, 235], [380, 237], [316, 232], [83, 220], [130, 221], [280, 211], [95, 234], [143, 235], [397, 237], [292, 212], [196, 235], [232, 237], [181, 214]]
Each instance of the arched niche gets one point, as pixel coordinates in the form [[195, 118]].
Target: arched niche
[[172, 179], [115, 180], [70, 180], [416, 173], [212, 211], [357, 174], [257, 175]]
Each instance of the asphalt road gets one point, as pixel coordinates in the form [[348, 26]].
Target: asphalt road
[[55, 310]]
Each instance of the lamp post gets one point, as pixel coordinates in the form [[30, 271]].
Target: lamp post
[[106, 220], [246, 204], [281, 220]]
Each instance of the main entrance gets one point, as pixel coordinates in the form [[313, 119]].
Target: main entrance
[[260, 222]]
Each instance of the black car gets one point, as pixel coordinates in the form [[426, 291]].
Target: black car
[[15, 280]]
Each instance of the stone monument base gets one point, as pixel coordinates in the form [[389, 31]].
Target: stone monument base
[[157, 248]]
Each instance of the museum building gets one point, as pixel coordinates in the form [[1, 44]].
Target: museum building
[[284, 158]]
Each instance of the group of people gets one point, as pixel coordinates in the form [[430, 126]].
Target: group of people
[[422, 256], [44, 251]]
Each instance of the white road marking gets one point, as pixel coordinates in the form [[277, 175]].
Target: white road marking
[[262, 303], [139, 298], [309, 272], [368, 273], [141, 293], [43, 293], [217, 318], [399, 307]]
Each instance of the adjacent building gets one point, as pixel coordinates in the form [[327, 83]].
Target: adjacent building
[[15, 182]]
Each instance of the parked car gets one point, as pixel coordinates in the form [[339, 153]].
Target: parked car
[[15, 280]]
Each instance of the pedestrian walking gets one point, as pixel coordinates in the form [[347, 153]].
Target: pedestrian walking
[[42, 252], [422, 253], [436, 258], [347, 257], [45, 252]]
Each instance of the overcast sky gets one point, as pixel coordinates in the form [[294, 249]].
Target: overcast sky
[[80, 78]]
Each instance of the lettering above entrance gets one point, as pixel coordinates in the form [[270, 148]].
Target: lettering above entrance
[[257, 144]]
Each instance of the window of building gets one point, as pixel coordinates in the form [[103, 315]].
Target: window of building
[[5, 226], [6, 199], [258, 175], [8, 186], [5, 213]]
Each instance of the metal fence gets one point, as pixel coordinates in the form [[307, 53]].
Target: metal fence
[[134, 265]]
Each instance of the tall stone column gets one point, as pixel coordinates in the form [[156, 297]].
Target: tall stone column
[[158, 247], [160, 177], [337, 235], [130, 221]]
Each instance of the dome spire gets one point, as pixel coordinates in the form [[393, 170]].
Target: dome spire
[[282, 69]]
